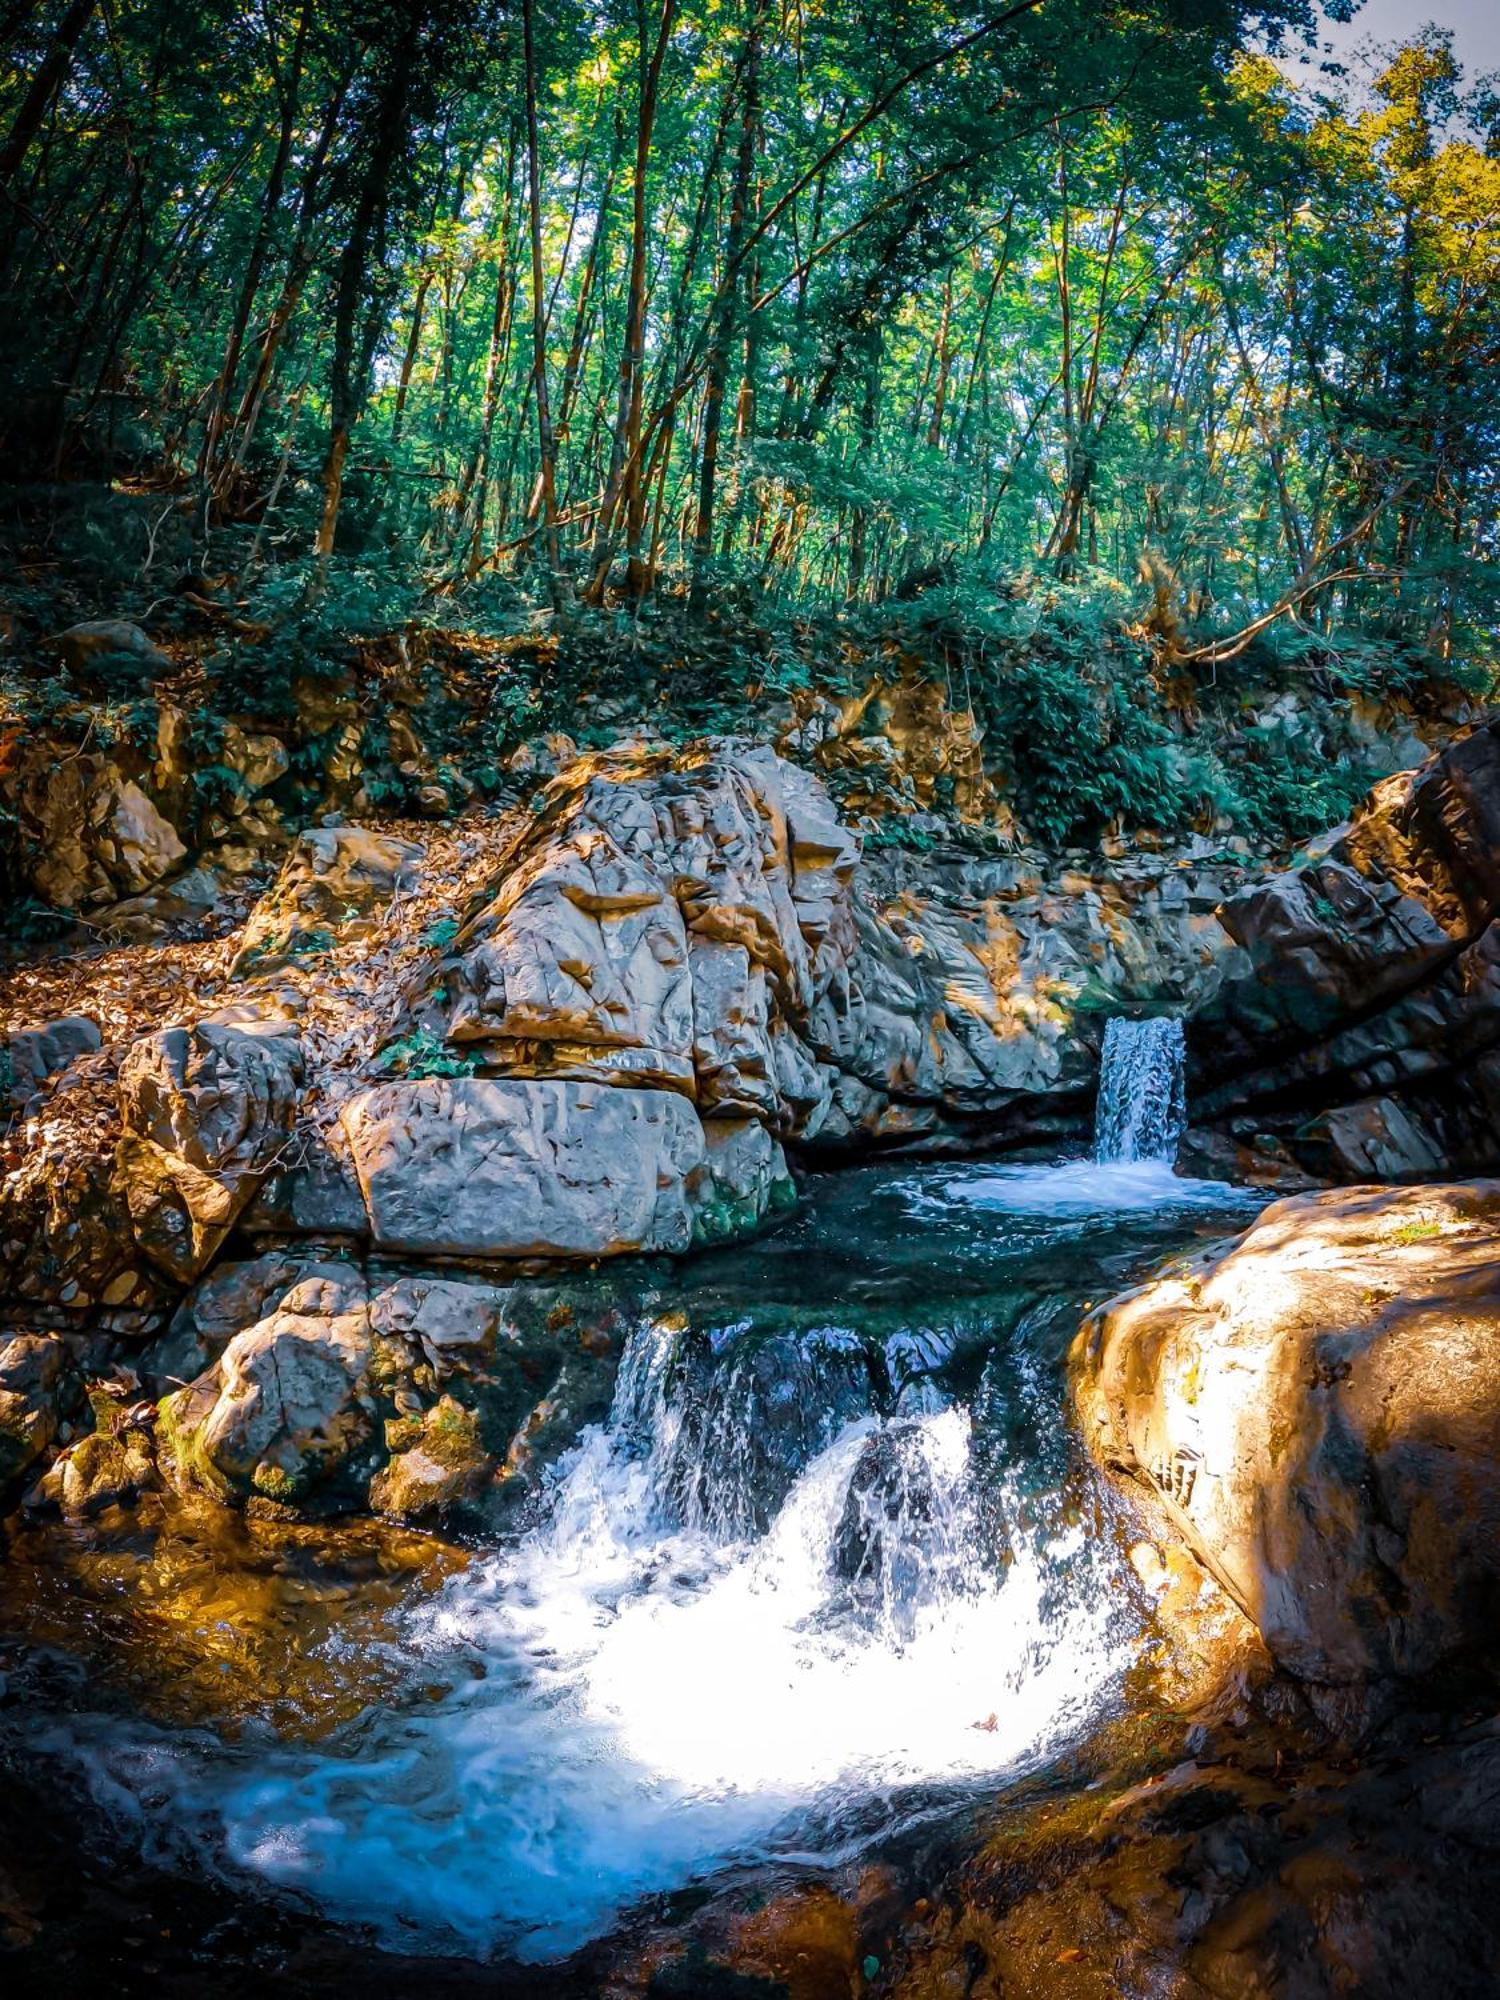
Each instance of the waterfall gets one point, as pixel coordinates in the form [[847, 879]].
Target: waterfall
[[1142, 1100]]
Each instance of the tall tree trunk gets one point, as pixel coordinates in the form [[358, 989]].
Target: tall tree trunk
[[546, 449], [729, 291]]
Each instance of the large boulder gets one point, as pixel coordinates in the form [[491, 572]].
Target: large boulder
[[502, 1168], [205, 1112], [1314, 1410], [289, 1399]]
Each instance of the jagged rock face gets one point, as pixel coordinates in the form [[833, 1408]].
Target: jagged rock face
[[1315, 1412], [701, 923], [1370, 992], [205, 1110]]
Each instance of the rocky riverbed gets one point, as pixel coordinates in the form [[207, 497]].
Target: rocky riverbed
[[496, 1474]]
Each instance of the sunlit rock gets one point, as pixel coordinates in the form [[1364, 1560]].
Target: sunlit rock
[[1315, 1412], [205, 1110], [336, 880]]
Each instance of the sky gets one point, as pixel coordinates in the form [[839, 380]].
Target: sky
[[1475, 25]]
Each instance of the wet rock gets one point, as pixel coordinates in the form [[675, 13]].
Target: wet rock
[[753, 1420], [205, 1111], [437, 1460], [110, 1466], [337, 880], [1315, 1413], [36, 1386], [890, 1494]]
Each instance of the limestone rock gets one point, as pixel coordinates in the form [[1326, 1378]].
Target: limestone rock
[[288, 1400], [205, 1111], [1369, 996], [1314, 1411], [471, 1167], [336, 880]]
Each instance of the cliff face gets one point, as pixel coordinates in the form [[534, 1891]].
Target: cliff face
[[1363, 1020]]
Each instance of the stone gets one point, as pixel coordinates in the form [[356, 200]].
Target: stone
[[34, 1054], [477, 1167], [110, 1466], [1314, 1412], [337, 880], [289, 1399], [437, 1460], [205, 1111], [81, 644], [35, 1383], [1367, 1002]]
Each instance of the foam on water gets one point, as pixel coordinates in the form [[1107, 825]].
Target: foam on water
[[627, 1700]]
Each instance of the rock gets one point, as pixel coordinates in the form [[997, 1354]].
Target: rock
[[34, 1054], [289, 1399], [205, 1111], [471, 1167], [1367, 1006], [258, 760], [110, 1466], [890, 1499], [65, 1235], [337, 880], [743, 1179], [88, 834], [1314, 1411], [35, 1383], [700, 921], [436, 1460], [81, 644]]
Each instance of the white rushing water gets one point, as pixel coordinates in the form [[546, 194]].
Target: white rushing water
[[1142, 1105], [776, 1605], [646, 1699]]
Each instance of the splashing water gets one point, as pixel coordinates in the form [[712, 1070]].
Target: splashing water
[[642, 1690], [1142, 1105]]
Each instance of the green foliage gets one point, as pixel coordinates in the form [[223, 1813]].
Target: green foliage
[[423, 1053]]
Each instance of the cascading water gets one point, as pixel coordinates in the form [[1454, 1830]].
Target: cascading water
[[827, 1568], [1142, 1106]]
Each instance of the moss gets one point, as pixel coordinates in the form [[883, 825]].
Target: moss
[[274, 1482]]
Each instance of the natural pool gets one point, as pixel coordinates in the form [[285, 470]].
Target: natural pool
[[832, 1567]]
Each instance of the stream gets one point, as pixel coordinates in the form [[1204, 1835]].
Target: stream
[[831, 1568]]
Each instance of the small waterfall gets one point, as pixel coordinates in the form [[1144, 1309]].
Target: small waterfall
[[1142, 1105]]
